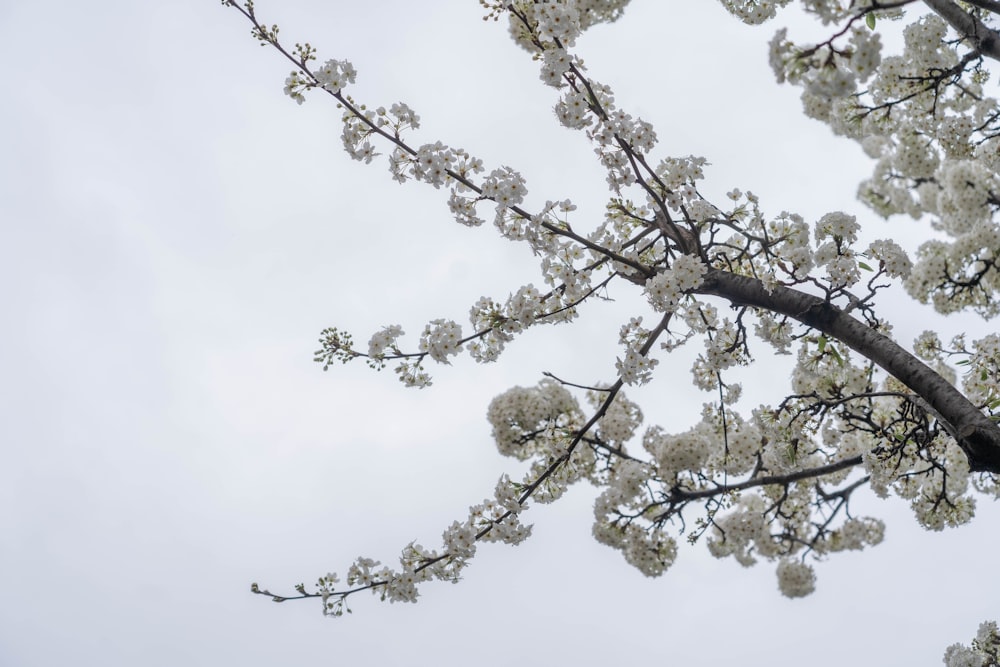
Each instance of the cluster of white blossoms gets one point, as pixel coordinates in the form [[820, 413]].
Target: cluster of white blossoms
[[826, 369], [384, 339], [796, 579], [723, 349], [620, 420], [650, 549], [412, 374], [333, 75], [533, 421], [939, 499], [832, 78], [573, 110], [754, 12], [295, 84], [892, 258], [665, 290], [543, 424], [927, 120], [854, 535], [676, 453], [504, 186], [358, 129], [556, 62], [959, 275], [441, 339], [737, 441], [402, 114], [984, 652], [557, 21], [980, 362], [982, 376], [502, 323], [835, 233], [432, 163], [635, 366], [777, 331], [537, 25], [743, 532]]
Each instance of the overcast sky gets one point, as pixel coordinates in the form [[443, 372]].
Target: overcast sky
[[176, 233]]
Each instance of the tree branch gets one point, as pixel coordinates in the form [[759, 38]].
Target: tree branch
[[978, 436], [837, 466], [988, 5], [984, 39]]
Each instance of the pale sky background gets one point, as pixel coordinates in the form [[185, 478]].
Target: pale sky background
[[176, 233]]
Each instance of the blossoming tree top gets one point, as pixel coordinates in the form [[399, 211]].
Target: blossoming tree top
[[750, 481]]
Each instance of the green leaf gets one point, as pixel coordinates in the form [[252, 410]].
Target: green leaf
[[822, 343], [862, 264], [870, 20]]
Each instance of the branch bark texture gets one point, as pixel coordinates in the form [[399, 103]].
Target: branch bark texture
[[984, 39], [978, 435]]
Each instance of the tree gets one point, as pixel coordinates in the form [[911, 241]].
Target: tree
[[770, 481]]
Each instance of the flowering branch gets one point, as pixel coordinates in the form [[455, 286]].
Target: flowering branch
[[774, 483], [985, 40], [978, 435]]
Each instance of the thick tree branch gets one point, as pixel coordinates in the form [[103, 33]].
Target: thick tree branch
[[988, 5], [984, 39], [978, 436]]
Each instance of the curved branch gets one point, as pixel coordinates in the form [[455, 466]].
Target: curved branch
[[777, 479], [983, 38], [978, 435], [988, 5]]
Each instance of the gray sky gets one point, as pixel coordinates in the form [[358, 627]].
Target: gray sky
[[177, 232]]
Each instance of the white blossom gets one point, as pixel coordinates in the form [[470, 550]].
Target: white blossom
[[333, 75], [384, 339], [795, 579], [441, 339], [665, 289]]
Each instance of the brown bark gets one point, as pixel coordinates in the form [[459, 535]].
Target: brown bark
[[977, 434], [982, 38]]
